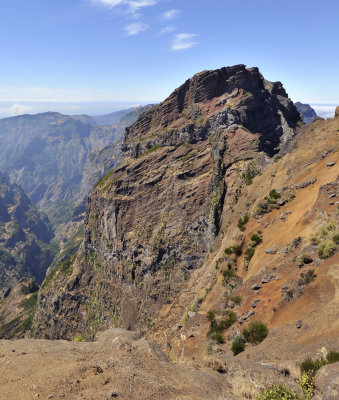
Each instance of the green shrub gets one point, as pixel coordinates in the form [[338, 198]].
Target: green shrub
[[229, 319], [306, 384], [79, 338], [256, 239], [332, 357], [217, 327], [228, 274], [218, 337], [242, 222], [277, 392], [238, 345], [310, 366], [335, 238], [237, 299], [255, 332], [235, 249], [274, 194], [326, 249], [249, 253], [211, 316]]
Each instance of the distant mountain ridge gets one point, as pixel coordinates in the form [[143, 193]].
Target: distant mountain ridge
[[308, 113], [46, 154], [126, 115]]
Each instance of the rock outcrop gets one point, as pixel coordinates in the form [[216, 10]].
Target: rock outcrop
[[153, 220]]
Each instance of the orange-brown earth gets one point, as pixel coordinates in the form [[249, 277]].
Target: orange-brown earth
[[317, 306]]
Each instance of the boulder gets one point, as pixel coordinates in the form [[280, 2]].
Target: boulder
[[327, 381]]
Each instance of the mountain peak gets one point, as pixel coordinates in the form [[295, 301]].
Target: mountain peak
[[239, 95]]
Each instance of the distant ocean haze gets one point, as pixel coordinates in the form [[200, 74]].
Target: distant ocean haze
[[324, 110], [11, 109]]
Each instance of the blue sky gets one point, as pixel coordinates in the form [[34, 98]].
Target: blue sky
[[98, 55]]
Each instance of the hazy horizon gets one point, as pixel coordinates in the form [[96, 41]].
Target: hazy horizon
[[8, 109]]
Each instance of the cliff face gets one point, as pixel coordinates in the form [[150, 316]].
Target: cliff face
[[25, 235], [153, 220], [98, 163]]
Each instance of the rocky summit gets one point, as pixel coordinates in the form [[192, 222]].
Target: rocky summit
[[154, 220]]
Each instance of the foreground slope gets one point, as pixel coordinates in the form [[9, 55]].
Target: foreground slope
[[291, 282], [116, 366], [152, 221]]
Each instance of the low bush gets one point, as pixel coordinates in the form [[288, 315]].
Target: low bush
[[238, 345], [306, 384], [242, 222], [256, 239], [237, 299], [249, 253], [274, 194], [277, 392], [218, 337], [310, 366], [332, 357], [218, 326], [255, 332], [228, 274], [211, 316], [235, 249], [327, 249]]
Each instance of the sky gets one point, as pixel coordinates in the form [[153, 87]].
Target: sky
[[97, 56]]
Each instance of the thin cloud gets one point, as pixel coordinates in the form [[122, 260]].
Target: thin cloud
[[170, 14], [167, 29], [133, 5], [183, 41], [135, 28]]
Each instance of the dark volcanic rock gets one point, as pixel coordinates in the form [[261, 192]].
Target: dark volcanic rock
[[308, 113], [152, 220]]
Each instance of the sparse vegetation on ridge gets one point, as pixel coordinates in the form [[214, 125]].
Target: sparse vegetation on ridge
[[327, 239], [242, 222], [219, 323], [255, 332]]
